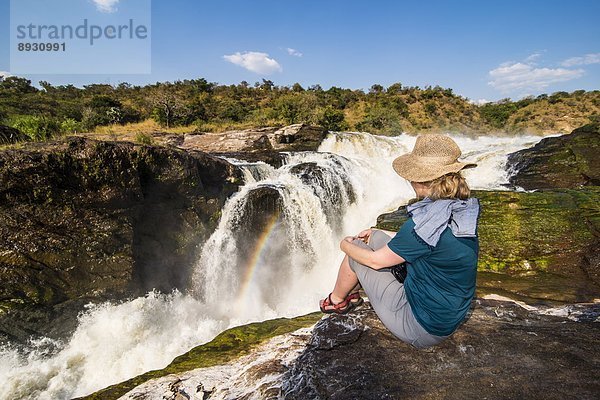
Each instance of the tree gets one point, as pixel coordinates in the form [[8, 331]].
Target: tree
[[47, 86], [200, 85], [17, 85], [395, 88], [381, 118], [167, 103], [291, 109], [229, 109], [497, 114], [332, 119], [266, 85], [102, 110], [376, 89], [430, 108]]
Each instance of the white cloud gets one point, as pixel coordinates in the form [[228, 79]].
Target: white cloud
[[513, 76], [254, 61], [592, 58], [293, 52], [530, 59], [106, 6], [4, 74], [479, 102]]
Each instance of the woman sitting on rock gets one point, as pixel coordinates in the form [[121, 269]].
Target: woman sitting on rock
[[421, 281]]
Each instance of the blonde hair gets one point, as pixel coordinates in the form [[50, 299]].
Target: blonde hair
[[450, 186]]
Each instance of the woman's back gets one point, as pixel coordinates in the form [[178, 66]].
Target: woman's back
[[441, 279]]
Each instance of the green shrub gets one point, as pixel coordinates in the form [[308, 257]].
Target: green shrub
[[144, 138], [69, 125], [292, 108], [36, 127], [381, 118], [430, 108]]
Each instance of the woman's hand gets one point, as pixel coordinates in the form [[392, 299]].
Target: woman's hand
[[376, 259], [348, 239], [365, 235]]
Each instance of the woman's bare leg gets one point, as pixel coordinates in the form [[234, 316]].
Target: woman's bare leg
[[345, 283]]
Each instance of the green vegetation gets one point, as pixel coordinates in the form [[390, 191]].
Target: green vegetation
[[36, 127], [143, 138], [201, 105], [497, 114], [227, 346]]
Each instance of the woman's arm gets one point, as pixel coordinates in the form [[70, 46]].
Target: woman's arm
[[380, 258]]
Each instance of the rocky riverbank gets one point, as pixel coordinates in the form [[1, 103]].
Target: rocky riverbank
[[504, 350]]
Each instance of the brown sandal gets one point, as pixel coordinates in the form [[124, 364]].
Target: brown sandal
[[354, 299], [328, 307]]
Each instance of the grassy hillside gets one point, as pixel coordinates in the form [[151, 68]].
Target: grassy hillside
[[199, 105]]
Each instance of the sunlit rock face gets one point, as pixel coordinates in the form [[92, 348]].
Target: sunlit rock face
[[297, 137], [567, 161]]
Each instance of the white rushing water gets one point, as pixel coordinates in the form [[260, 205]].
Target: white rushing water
[[285, 269]]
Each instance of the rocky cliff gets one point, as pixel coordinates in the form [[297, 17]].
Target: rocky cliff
[[504, 350], [567, 161], [87, 220], [261, 144]]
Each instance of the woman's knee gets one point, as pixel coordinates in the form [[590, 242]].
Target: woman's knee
[[360, 243], [378, 239]]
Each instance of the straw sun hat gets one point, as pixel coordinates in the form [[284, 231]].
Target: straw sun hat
[[433, 156]]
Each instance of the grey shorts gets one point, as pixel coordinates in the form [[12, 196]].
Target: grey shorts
[[388, 298]]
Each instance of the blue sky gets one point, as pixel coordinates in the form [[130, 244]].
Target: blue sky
[[481, 49]]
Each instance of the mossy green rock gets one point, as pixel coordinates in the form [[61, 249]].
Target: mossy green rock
[[85, 220], [567, 161], [537, 246], [227, 346]]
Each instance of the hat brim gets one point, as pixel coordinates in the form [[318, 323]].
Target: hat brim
[[409, 167]]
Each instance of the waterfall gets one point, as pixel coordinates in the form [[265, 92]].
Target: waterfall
[[274, 253]]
